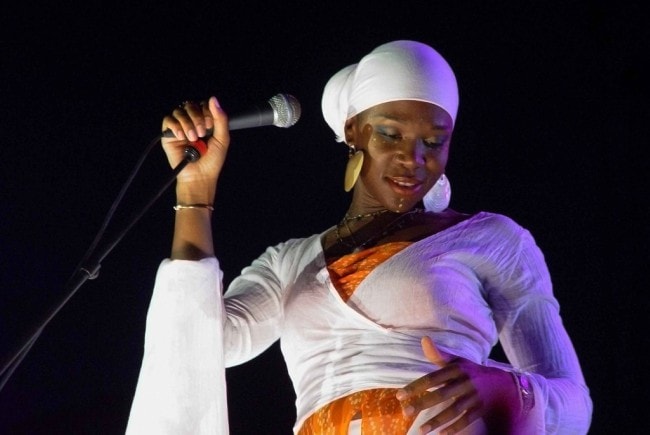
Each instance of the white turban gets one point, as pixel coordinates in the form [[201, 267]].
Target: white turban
[[398, 70]]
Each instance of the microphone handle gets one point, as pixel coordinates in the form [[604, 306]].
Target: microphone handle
[[254, 117]]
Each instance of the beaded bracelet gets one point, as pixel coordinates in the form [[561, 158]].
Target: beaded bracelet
[[182, 206]]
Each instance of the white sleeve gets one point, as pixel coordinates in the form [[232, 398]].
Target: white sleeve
[[181, 387]]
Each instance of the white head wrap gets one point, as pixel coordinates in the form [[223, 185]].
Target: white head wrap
[[398, 70]]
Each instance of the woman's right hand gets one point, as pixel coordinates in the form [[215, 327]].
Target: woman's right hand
[[188, 123], [196, 183]]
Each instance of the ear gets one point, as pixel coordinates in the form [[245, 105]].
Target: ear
[[351, 130]]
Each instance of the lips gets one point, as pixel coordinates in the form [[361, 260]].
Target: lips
[[405, 185]]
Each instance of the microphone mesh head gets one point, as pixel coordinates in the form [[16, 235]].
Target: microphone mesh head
[[286, 110]]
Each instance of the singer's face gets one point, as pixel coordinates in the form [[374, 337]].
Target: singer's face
[[405, 145]]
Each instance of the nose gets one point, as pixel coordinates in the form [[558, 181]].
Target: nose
[[411, 153]]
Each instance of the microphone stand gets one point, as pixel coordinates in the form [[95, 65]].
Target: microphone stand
[[89, 269]]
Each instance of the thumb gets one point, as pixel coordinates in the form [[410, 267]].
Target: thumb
[[431, 352]]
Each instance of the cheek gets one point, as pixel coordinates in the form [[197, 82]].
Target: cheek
[[376, 157], [437, 162], [435, 169], [374, 164]]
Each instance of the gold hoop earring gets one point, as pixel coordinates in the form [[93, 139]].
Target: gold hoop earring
[[353, 168]]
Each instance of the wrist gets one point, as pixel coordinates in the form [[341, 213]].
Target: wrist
[[195, 192], [526, 393]]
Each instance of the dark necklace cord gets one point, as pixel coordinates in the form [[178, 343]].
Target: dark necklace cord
[[395, 225], [346, 221]]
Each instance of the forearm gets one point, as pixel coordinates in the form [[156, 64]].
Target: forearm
[[197, 182], [562, 405]]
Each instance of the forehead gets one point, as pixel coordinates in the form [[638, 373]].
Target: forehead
[[410, 111]]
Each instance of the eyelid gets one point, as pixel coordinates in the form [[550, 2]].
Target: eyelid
[[434, 145], [386, 131], [395, 134], [390, 135], [439, 139]]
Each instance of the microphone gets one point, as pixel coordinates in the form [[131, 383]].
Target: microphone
[[281, 110]]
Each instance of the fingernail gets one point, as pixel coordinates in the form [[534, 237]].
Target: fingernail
[[191, 136], [425, 429], [401, 395], [409, 410]]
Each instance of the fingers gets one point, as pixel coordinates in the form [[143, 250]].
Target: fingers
[[460, 405], [435, 379], [462, 412], [217, 121], [204, 126], [217, 113], [430, 380], [445, 384], [190, 117], [191, 121], [433, 388], [450, 387], [431, 352]]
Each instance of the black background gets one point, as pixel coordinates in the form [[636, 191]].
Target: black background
[[547, 133]]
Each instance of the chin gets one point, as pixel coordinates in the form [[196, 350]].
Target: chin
[[403, 206]]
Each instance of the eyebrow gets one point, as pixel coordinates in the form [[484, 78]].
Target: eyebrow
[[440, 126]]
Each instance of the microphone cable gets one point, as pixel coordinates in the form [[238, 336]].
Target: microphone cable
[[89, 271], [284, 111]]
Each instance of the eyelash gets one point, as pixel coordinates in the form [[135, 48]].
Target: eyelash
[[433, 144], [396, 137]]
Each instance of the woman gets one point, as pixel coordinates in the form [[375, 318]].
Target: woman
[[387, 318]]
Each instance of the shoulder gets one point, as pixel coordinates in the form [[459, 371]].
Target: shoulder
[[480, 220], [486, 226], [499, 221], [289, 254], [294, 246]]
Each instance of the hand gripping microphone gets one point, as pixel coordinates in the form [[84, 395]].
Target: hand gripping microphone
[[281, 110]]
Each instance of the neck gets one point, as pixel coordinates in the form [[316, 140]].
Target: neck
[[353, 217], [365, 229], [357, 209]]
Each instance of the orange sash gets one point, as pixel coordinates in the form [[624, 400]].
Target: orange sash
[[379, 410], [348, 271]]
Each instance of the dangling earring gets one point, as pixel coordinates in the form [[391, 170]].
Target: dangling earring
[[353, 168], [438, 197]]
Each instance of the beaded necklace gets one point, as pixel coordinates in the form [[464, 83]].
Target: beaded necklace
[[395, 225]]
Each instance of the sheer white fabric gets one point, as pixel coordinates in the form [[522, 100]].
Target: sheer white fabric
[[481, 280], [181, 387]]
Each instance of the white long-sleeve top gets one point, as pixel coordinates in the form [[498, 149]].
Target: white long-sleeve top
[[477, 282]]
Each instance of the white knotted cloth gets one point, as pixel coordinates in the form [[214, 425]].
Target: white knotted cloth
[[397, 70]]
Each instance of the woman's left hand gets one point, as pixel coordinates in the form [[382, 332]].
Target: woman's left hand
[[468, 390]]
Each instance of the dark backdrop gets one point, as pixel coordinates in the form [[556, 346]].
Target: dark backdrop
[[546, 134]]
